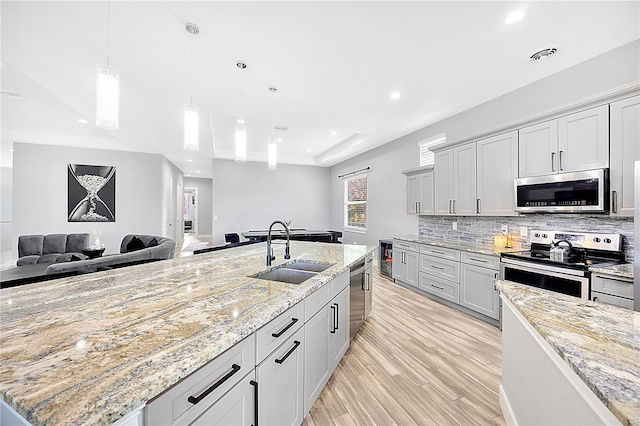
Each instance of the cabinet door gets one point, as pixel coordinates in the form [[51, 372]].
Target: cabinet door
[[413, 194], [280, 380], [399, 270], [425, 200], [477, 291], [236, 407], [339, 329], [444, 182], [537, 146], [368, 291], [497, 160], [464, 180], [583, 140], [411, 260], [625, 150], [316, 355]]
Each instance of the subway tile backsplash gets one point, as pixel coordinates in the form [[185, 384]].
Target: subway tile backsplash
[[482, 229]]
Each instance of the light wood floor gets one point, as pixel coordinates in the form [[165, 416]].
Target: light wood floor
[[414, 361]]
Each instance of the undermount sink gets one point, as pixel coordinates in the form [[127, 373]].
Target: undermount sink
[[296, 272]]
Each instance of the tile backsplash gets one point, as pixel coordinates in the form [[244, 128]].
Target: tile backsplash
[[482, 229]]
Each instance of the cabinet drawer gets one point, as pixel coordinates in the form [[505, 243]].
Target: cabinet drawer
[[442, 268], [444, 253], [612, 300], [483, 260], [439, 287], [406, 245], [314, 302], [340, 282], [612, 286], [273, 334], [223, 373]]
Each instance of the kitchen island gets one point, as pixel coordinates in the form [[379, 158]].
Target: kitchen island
[[568, 360], [91, 349]]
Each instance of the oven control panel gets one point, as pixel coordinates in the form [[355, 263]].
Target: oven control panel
[[590, 240]]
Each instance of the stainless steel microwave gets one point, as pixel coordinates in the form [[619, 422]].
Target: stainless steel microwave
[[578, 192]]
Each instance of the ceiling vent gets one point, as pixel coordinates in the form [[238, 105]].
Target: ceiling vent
[[281, 128], [12, 95], [544, 53]]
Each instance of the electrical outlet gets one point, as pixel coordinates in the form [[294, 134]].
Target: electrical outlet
[[454, 225], [504, 229], [524, 232]]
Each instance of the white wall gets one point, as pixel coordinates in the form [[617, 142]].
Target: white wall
[[386, 213], [169, 169], [247, 196], [205, 203], [40, 192]]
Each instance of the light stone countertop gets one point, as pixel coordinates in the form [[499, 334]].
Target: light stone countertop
[[92, 348], [488, 249], [624, 271], [600, 343]]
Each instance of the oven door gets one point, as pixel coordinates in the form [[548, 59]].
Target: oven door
[[565, 281]]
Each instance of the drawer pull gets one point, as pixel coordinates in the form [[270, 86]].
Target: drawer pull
[[284, 330], [477, 260], [438, 252], [255, 402], [284, 358], [436, 267], [195, 399], [439, 288]]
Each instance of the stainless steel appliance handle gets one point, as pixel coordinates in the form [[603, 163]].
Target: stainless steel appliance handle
[[553, 162]]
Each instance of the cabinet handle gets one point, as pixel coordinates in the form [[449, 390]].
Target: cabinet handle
[[478, 205], [450, 212], [195, 399], [281, 332], [438, 252], [439, 288], [403, 257], [368, 282], [333, 319], [419, 206], [284, 358], [336, 323], [436, 267], [477, 260], [595, 299], [255, 402], [454, 207], [417, 209], [560, 157], [553, 162], [362, 281], [614, 201]]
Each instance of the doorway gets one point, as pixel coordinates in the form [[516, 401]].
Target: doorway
[[190, 211]]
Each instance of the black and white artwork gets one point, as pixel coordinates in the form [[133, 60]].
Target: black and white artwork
[[91, 193]]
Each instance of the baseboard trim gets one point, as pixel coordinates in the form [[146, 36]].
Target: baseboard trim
[[507, 412]]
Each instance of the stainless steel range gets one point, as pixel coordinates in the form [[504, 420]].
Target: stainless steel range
[[559, 260]]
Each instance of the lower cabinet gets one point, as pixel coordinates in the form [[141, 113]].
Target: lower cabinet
[[280, 378], [612, 291], [368, 286], [236, 408], [477, 291], [405, 262]]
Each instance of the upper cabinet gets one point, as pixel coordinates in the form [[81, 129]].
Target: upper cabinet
[[444, 182], [420, 190], [456, 180], [572, 143], [625, 150], [497, 167]]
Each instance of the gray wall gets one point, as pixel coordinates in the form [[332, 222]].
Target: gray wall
[[386, 213], [247, 196], [173, 209], [40, 192], [205, 203]]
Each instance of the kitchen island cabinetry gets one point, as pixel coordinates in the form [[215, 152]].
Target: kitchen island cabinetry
[[420, 190], [625, 151], [405, 262]]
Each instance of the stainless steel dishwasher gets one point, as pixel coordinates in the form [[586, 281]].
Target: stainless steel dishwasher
[[357, 298]]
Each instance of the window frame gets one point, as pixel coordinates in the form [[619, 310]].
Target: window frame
[[347, 203]]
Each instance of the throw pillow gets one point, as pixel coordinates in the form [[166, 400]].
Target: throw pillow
[[74, 258], [135, 244], [152, 243]]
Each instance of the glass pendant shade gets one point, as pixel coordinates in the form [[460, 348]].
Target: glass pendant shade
[[191, 128], [272, 155], [241, 142], [108, 98]]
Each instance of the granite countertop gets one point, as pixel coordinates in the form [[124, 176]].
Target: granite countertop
[[92, 348], [601, 343], [624, 271], [489, 249]]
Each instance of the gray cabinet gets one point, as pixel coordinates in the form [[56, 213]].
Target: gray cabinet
[[571, 143], [368, 286], [477, 291], [625, 150], [235, 408], [455, 180], [612, 291], [405, 262], [420, 190], [339, 328], [497, 167], [444, 182]]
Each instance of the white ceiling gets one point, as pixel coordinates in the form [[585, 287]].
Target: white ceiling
[[334, 63]]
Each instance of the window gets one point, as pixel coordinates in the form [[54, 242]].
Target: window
[[426, 155], [355, 203]]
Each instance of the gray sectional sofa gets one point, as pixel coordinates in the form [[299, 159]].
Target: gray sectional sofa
[[52, 248], [133, 249]]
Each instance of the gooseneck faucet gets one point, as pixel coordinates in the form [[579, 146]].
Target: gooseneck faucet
[[270, 255]]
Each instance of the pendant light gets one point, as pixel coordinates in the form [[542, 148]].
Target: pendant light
[[191, 136], [241, 129], [108, 91], [272, 148]]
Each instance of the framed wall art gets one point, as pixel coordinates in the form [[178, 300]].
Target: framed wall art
[[91, 193]]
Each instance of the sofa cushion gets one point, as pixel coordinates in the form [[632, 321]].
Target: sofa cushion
[[30, 245], [76, 243], [135, 244], [49, 258], [54, 243], [28, 260], [70, 257]]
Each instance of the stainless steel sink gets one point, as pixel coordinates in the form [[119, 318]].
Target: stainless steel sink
[[296, 272]]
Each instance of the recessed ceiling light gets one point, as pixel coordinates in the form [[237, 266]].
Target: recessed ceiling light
[[334, 133], [83, 121], [514, 17], [394, 95], [190, 160], [309, 150], [197, 171], [279, 140]]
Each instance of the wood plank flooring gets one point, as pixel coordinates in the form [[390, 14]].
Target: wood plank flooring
[[414, 362]]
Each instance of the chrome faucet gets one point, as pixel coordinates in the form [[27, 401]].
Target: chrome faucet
[[270, 255]]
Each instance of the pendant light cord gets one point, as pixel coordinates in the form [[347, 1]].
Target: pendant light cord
[[191, 95], [108, 34]]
